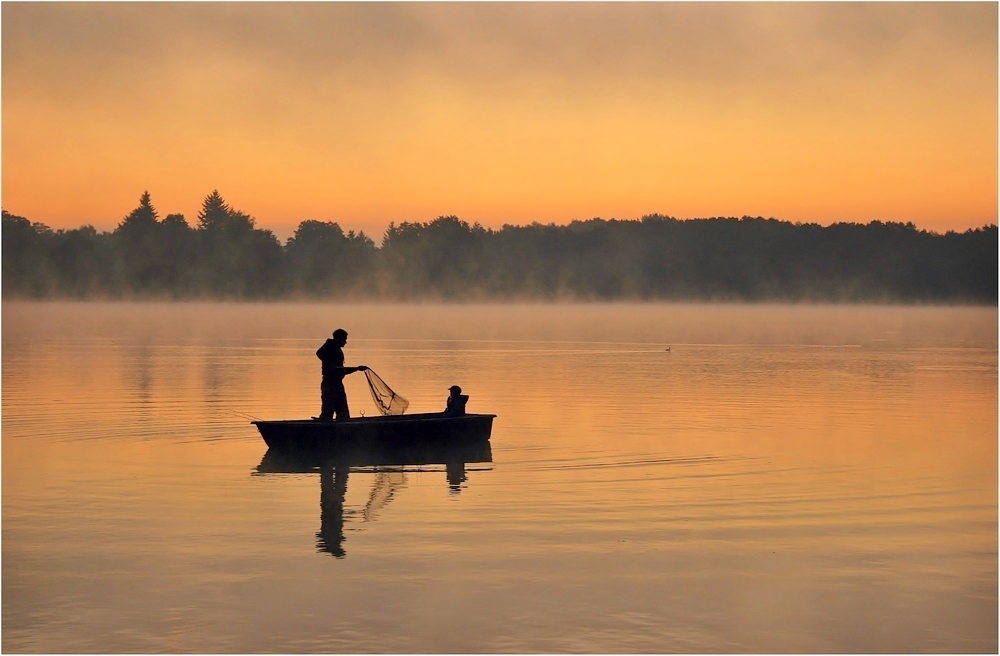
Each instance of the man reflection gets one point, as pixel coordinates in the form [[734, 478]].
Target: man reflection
[[332, 492]]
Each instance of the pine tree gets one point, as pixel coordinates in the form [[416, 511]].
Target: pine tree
[[215, 213], [142, 218], [137, 249]]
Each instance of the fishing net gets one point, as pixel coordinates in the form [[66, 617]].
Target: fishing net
[[388, 402]]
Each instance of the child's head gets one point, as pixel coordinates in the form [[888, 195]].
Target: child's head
[[455, 390]]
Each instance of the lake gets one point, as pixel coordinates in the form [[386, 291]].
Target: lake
[[664, 478]]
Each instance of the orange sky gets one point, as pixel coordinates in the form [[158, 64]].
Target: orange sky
[[501, 112]]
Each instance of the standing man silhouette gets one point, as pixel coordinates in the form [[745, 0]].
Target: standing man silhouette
[[331, 390]]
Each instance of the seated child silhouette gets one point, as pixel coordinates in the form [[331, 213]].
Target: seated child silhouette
[[456, 402]]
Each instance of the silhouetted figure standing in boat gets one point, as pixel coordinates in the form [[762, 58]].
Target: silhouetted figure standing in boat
[[332, 392], [455, 405]]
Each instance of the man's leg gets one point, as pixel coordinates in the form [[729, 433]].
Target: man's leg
[[327, 397], [340, 403]]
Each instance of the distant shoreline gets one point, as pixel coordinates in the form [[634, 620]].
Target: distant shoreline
[[655, 259]]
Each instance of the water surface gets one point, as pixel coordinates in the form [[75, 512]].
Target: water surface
[[783, 478]]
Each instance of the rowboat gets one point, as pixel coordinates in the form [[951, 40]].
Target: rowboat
[[394, 436]]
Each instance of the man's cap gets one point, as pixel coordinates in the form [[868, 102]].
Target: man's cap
[[340, 331], [454, 388]]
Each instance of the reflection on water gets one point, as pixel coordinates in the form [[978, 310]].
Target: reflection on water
[[388, 474], [456, 476], [783, 479], [332, 492]]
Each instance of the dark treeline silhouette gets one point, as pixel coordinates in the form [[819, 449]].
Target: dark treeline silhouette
[[225, 256]]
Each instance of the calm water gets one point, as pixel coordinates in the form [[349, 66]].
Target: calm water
[[804, 479]]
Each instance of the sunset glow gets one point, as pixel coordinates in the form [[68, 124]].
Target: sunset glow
[[502, 113]]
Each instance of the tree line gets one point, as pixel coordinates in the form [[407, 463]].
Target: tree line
[[226, 256]]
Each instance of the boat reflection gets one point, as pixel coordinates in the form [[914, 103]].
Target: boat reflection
[[388, 477]]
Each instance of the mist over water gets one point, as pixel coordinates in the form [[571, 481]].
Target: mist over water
[[783, 478]]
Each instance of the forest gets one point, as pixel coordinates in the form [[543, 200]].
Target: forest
[[225, 255]]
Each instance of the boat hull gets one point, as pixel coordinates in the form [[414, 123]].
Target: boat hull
[[377, 437]]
